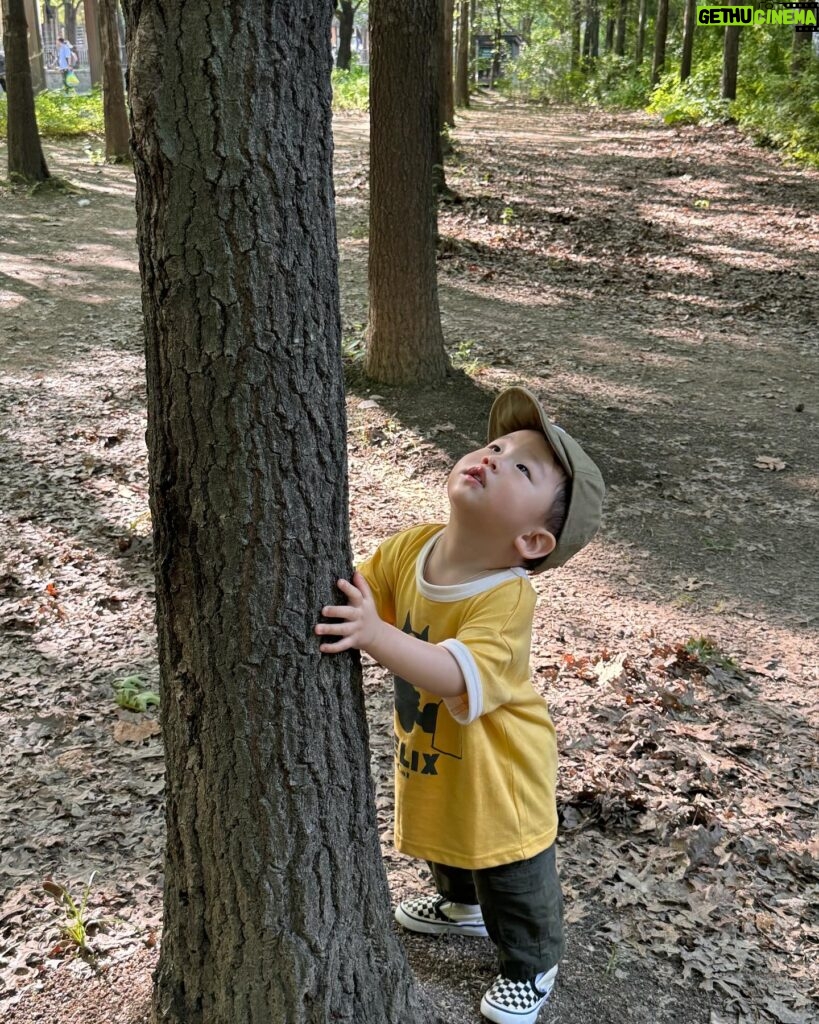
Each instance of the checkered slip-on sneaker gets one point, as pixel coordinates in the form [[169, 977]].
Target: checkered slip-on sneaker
[[434, 915], [517, 1002]]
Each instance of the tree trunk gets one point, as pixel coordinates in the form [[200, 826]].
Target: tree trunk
[[276, 905], [70, 22], [462, 73], [117, 134], [405, 342], [640, 43], [800, 52], [446, 102], [577, 21], [591, 37], [620, 34], [688, 38], [346, 15], [608, 44], [25, 154], [660, 36], [92, 36], [496, 49], [730, 62], [36, 56]]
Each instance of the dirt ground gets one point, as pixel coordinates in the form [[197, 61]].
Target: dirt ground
[[657, 287]]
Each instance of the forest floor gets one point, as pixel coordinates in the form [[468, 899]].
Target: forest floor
[[657, 287]]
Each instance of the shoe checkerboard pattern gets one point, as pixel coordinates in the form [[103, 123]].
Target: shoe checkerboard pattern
[[427, 914], [517, 1002]]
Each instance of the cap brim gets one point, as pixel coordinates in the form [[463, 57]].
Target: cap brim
[[518, 409]]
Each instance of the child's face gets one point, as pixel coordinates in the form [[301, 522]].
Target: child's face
[[507, 488]]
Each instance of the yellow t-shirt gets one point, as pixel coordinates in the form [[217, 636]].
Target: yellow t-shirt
[[474, 775]]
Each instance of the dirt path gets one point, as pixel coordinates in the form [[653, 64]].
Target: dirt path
[[658, 288]]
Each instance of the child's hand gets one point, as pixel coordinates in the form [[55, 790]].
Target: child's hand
[[360, 623]]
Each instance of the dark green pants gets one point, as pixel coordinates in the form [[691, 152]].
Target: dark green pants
[[522, 909]]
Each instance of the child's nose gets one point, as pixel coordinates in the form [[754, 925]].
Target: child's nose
[[488, 460]]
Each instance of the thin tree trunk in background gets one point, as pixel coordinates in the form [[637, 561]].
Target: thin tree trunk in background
[[801, 51], [730, 62], [591, 36], [117, 132], [620, 34], [608, 43], [35, 48], [25, 154], [275, 905], [92, 35], [446, 102], [496, 48], [660, 37], [346, 17], [462, 72], [688, 38], [639, 45], [577, 21], [405, 341]]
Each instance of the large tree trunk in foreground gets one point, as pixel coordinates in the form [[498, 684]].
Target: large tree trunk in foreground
[[276, 904], [117, 132], [25, 154], [405, 340]]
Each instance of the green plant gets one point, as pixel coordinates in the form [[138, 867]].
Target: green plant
[[132, 694], [706, 650], [507, 215], [75, 926], [61, 115], [351, 88]]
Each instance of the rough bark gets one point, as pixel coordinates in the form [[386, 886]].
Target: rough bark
[[346, 17], [462, 67], [608, 44], [25, 154], [117, 133], [92, 35], [660, 37], [730, 62], [689, 24], [591, 36], [640, 42], [276, 904], [405, 342]]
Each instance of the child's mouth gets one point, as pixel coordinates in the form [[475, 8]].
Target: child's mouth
[[476, 473]]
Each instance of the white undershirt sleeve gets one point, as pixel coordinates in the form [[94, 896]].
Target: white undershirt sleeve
[[469, 706]]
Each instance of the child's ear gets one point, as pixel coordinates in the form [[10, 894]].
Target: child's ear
[[535, 545]]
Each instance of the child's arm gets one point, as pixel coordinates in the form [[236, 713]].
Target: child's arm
[[425, 665]]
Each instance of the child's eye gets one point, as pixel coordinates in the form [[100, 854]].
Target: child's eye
[[493, 447], [524, 469]]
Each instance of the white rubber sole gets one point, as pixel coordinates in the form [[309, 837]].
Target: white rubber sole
[[426, 927]]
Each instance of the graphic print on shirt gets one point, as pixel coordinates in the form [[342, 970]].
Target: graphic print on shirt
[[436, 733]]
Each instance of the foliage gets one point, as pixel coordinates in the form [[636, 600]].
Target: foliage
[[132, 694], [75, 927], [62, 114], [351, 87], [774, 105], [705, 649]]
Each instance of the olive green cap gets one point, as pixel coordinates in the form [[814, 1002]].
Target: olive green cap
[[518, 409]]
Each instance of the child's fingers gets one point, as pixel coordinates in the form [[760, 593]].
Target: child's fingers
[[336, 648], [335, 628], [339, 611], [352, 593]]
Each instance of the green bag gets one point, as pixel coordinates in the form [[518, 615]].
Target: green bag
[[71, 78]]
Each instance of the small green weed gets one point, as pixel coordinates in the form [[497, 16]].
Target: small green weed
[[705, 650], [351, 88], [132, 694], [75, 926]]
